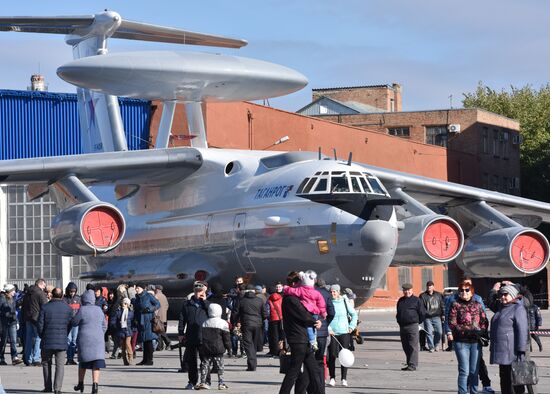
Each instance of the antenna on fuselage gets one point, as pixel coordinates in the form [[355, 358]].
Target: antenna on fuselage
[[319, 153], [334, 150], [349, 158]]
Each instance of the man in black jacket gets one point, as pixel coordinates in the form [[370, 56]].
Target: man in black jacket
[[296, 320], [193, 313], [410, 312], [53, 327], [34, 299], [251, 314], [433, 302]]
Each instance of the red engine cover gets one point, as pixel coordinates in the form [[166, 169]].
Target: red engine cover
[[442, 240], [101, 227]]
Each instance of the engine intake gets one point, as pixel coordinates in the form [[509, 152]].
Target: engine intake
[[88, 228], [428, 239], [506, 252]]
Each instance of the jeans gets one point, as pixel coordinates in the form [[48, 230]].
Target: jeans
[[467, 355], [32, 344], [71, 342], [434, 329], [10, 331]]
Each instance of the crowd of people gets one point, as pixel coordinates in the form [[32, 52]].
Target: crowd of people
[[304, 321], [461, 319], [304, 318]]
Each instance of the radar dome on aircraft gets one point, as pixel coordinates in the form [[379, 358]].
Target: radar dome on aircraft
[[185, 76]]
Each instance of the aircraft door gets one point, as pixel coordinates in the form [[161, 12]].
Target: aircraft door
[[239, 240]]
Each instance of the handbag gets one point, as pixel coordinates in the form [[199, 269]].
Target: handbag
[[157, 325], [351, 345], [284, 360], [524, 372]]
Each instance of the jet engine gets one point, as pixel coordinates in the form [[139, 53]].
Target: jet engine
[[428, 239], [505, 252], [88, 228]]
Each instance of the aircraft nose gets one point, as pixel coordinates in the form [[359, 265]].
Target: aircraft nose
[[378, 236]]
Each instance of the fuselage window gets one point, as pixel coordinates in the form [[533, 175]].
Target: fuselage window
[[376, 187], [301, 187], [340, 184], [321, 186], [355, 185], [309, 185], [365, 185]]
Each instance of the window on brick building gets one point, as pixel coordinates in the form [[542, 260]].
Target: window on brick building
[[494, 183], [505, 184], [485, 181], [505, 145], [399, 131], [496, 145], [485, 140], [427, 274], [437, 135], [404, 275]]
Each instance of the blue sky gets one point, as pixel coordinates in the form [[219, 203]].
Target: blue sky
[[433, 48]]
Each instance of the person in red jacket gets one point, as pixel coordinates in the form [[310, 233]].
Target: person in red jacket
[[275, 329]]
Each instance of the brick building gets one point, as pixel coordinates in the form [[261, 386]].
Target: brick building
[[249, 126]]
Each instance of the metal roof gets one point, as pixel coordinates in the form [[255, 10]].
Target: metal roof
[[354, 87]]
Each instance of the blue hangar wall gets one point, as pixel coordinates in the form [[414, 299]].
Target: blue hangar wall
[[40, 124]]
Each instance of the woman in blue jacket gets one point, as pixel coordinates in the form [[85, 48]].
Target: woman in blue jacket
[[509, 336], [344, 322], [91, 330], [145, 305]]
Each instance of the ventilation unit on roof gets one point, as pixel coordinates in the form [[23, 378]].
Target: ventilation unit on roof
[[454, 128]]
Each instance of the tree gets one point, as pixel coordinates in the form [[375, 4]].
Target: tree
[[532, 109]]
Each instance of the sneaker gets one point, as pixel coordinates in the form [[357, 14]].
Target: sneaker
[[202, 386], [16, 361], [332, 382], [189, 386], [488, 390], [431, 350], [344, 383], [222, 386]]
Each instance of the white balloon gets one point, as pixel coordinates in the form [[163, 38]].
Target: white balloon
[[346, 358]]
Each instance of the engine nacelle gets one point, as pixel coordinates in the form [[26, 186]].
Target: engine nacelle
[[506, 252], [87, 228], [428, 239]]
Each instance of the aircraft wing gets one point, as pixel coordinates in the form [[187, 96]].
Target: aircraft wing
[[443, 195], [128, 29], [143, 167]]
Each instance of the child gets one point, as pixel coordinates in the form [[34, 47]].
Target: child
[[214, 340], [311, 299]]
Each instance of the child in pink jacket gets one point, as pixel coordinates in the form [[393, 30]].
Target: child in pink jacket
[[311, 299]]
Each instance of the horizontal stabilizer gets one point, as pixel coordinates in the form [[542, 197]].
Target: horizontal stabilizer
[[130, 30]]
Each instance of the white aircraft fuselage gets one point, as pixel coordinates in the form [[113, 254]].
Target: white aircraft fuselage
[[246, 220]]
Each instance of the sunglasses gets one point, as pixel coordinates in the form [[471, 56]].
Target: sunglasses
[[199, 286], [464, 290]]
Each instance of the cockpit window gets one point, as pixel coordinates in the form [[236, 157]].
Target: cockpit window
[[322, 185], [309, 185], [355, 185], [365, 185], [376, 186], [301, 187], [340, 184]]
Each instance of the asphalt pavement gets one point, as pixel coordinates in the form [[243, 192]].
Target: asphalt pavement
[[377, 369]]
